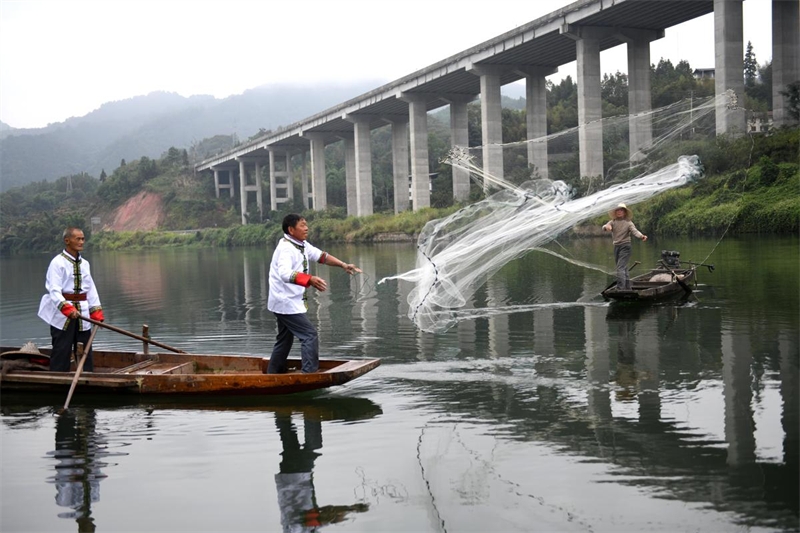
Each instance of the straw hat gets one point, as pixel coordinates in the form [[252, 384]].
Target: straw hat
[[628, 213]]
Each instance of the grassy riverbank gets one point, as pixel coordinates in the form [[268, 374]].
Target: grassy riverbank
[[325, 226]]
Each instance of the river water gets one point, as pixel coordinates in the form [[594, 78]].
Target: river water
[[576, 416]]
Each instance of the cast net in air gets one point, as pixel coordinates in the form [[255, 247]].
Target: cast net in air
[[457, 254]]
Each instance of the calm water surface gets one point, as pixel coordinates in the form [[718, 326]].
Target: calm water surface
[[586, 417]]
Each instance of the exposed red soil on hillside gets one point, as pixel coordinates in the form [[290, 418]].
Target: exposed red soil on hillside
[[143, 212]]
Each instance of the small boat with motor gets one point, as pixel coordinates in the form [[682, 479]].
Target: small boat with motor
[[669, 279]]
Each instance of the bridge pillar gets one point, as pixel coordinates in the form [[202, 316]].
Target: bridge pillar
[[459, 136], [491, 121], [590, 111], [319, 190], [363, 167], [729, 65], [785, 57], [216, 181], [273, 183], [350, 176], [243, 189], [400, 164], [536, 116], [420, 168], [640, 121], [289, 180], [737, 360], [280, 173], [259, 194], [220, 186], [304, 177]]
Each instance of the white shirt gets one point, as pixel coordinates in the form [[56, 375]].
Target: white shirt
[[285, 295], [66, 274]]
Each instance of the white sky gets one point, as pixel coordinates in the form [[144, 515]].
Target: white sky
[[65, 58]]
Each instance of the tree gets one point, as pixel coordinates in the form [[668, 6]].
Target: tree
[[750, 66], [103, 175], [122, 163], [792, 92]]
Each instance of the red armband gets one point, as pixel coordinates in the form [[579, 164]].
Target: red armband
[[301, 279], [97, 315], [67, 309]]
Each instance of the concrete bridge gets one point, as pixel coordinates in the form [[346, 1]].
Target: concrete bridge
[[577, 32]]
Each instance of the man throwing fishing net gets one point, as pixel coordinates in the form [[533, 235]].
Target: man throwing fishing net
[[288, 281], [622, 228], [71, 292]]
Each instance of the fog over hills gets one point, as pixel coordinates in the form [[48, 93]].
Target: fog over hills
[[149, 125]]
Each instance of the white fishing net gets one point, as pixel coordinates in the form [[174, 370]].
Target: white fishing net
[[457, 254]]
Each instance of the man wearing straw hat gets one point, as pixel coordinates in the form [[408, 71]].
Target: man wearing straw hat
[[70, 292], [621, 228]]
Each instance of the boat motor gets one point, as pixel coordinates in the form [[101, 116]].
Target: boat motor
[[671, 258]]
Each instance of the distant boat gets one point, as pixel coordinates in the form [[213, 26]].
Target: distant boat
[[118, 372]]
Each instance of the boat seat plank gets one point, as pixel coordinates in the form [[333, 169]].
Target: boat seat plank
[[164, 368], [151, 366], [131, 369]]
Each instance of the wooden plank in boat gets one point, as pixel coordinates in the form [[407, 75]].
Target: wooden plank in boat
[[64, 378], [155, 367]]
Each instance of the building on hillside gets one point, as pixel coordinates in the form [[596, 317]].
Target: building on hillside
[[759, 122], [703, 73]]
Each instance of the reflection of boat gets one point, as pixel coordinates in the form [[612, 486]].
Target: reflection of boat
[[21, 407], [180, 373]]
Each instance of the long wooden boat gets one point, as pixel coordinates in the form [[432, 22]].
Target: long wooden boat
[[658, 284], [177, 374]]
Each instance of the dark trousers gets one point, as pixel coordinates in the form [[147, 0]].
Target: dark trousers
[[289, 327], [63, 341], [622, 254]]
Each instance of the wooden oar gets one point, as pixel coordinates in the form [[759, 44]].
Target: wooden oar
[[78, 370], [134, 335]]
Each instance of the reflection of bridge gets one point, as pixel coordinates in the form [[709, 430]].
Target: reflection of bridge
[[619, 372], [579, 31], [625, 419]]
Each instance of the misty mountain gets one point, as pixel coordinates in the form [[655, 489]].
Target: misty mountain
[[149, 125]]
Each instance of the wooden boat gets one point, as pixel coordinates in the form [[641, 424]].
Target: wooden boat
[[658, 284], [176, 373]]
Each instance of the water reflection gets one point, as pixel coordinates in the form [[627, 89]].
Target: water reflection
[[83, 445], [79, 451], [297, 496], [696, 403]]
